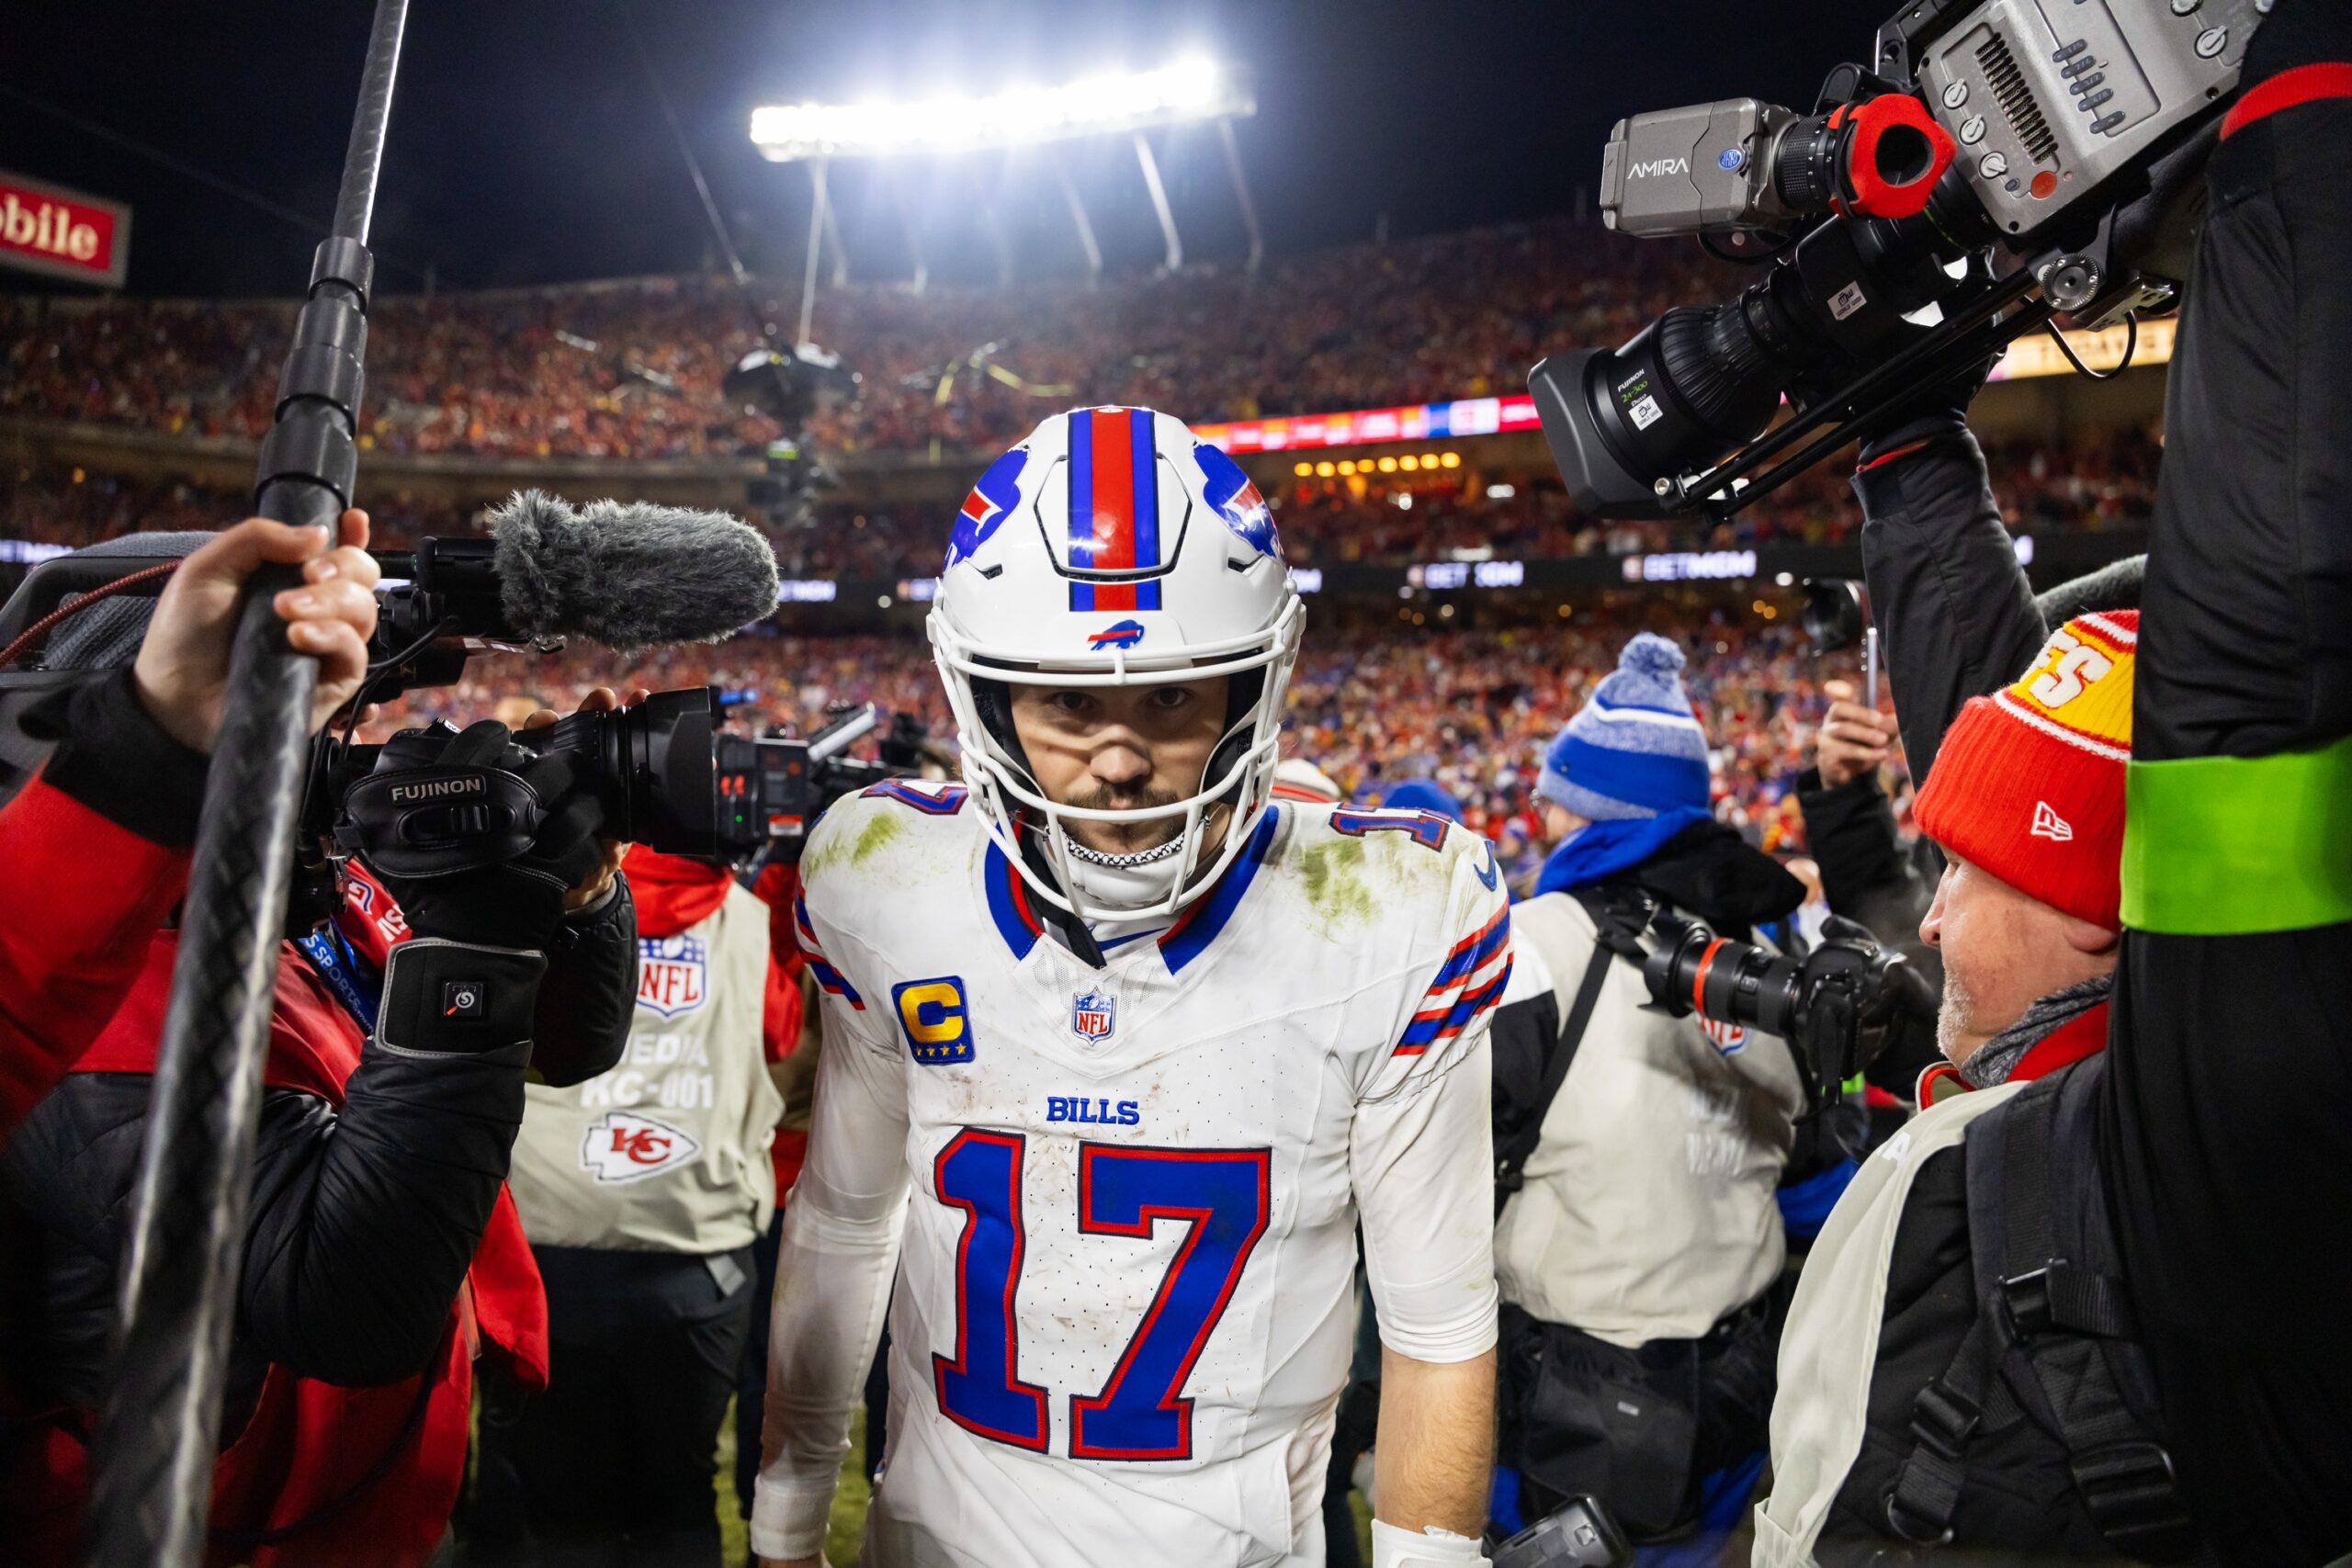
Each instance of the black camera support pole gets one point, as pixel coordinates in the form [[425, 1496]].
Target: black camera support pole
[[1921, 364], [154, 1453]]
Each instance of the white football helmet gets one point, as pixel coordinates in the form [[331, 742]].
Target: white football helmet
[[1112, 549]]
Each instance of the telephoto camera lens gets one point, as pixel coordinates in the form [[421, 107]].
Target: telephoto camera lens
[[651, 767], [1693, 970], [1685, 389]]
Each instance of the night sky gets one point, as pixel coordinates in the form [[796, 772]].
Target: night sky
[[525, 146]]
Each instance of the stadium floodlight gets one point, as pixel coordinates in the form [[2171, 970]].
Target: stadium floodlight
[[1189, 89]]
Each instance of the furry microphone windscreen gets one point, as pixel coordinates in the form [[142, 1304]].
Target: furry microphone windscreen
[[629, 575], [2112, 587]]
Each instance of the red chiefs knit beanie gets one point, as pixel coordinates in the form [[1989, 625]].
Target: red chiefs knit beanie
[[2029, 783]]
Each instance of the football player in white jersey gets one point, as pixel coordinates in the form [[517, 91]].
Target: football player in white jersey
[[1119, 1054]]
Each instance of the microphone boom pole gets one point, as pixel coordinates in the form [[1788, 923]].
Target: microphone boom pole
[[158, 1427]]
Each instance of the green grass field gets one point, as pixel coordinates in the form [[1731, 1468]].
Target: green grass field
[[849, 1499]]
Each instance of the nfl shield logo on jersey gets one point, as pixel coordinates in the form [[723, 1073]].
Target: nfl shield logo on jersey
[[1093, 1015]]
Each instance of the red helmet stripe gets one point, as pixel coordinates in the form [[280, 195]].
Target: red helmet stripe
[[1113, 501]]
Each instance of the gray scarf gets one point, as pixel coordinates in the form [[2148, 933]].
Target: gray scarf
[[1998, 1057]]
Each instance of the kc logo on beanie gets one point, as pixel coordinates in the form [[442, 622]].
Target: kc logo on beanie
[[2029, 783]]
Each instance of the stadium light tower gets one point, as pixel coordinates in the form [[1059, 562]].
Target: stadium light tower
[[1186, 91]]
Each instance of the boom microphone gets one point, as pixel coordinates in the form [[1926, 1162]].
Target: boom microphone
[[2112, 587], [628, 575]]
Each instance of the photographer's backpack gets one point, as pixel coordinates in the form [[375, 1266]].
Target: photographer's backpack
[[2049, 1376]]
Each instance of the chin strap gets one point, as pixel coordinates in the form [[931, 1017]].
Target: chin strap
[[1126, 862]]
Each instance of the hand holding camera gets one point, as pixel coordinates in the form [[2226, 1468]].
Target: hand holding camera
[[482, 839]]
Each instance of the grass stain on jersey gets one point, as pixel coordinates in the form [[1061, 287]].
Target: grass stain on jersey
[[880, 830], [1348, 881], [1333, 873], [875, 836]]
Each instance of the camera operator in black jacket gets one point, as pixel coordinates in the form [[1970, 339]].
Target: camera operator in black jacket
[[381, 1251], [2175, 1378]]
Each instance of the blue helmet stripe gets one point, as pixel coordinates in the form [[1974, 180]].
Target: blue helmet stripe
[[1081, 495], [1144, 465]]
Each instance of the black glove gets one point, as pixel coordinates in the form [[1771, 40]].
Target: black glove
[[518, 901], [1937, 411]]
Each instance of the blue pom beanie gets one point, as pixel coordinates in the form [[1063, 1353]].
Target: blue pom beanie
[[1422, 795], [1634, 750]]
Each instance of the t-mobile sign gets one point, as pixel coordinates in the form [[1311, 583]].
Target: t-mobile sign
[[63, 233]]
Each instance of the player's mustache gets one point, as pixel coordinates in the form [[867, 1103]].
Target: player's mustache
[[1122, 797]]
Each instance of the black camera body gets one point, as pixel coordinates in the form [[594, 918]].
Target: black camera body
[[1998, 163], [1835, 1005], [662, 773], [1580, 1533]]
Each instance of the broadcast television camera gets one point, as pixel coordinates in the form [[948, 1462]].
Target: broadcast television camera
[[662, 771], [1998, 163]]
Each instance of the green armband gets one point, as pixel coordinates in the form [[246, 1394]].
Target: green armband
[[2229, 846]]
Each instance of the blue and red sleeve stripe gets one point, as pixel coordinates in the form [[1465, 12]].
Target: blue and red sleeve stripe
[[1443, 1023], [1468, 983], [829, 977], [1473, 952]]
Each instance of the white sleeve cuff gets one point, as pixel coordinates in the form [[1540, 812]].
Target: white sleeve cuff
[[1467, 1333], [1433, 1548], [788, 1519]]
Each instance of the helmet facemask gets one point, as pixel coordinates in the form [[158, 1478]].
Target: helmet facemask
[[1238, 775]]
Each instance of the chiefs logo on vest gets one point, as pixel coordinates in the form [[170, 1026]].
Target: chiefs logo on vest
[[620, 1145], [670, 973]]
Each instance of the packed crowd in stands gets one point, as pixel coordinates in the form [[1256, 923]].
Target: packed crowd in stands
[[632, 369], [1371, 706], [2104, 483]]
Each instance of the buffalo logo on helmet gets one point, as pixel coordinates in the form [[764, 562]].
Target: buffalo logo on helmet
[[1236, 498], [1118, 634], [985, 509]]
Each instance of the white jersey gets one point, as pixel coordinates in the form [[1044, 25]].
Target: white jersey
[[1122, 1312]]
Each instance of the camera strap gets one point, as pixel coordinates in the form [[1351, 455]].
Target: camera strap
[[433, 821], [346, 973], [1612, 937]]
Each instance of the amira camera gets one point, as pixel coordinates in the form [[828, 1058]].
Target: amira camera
[[2000, 162]]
